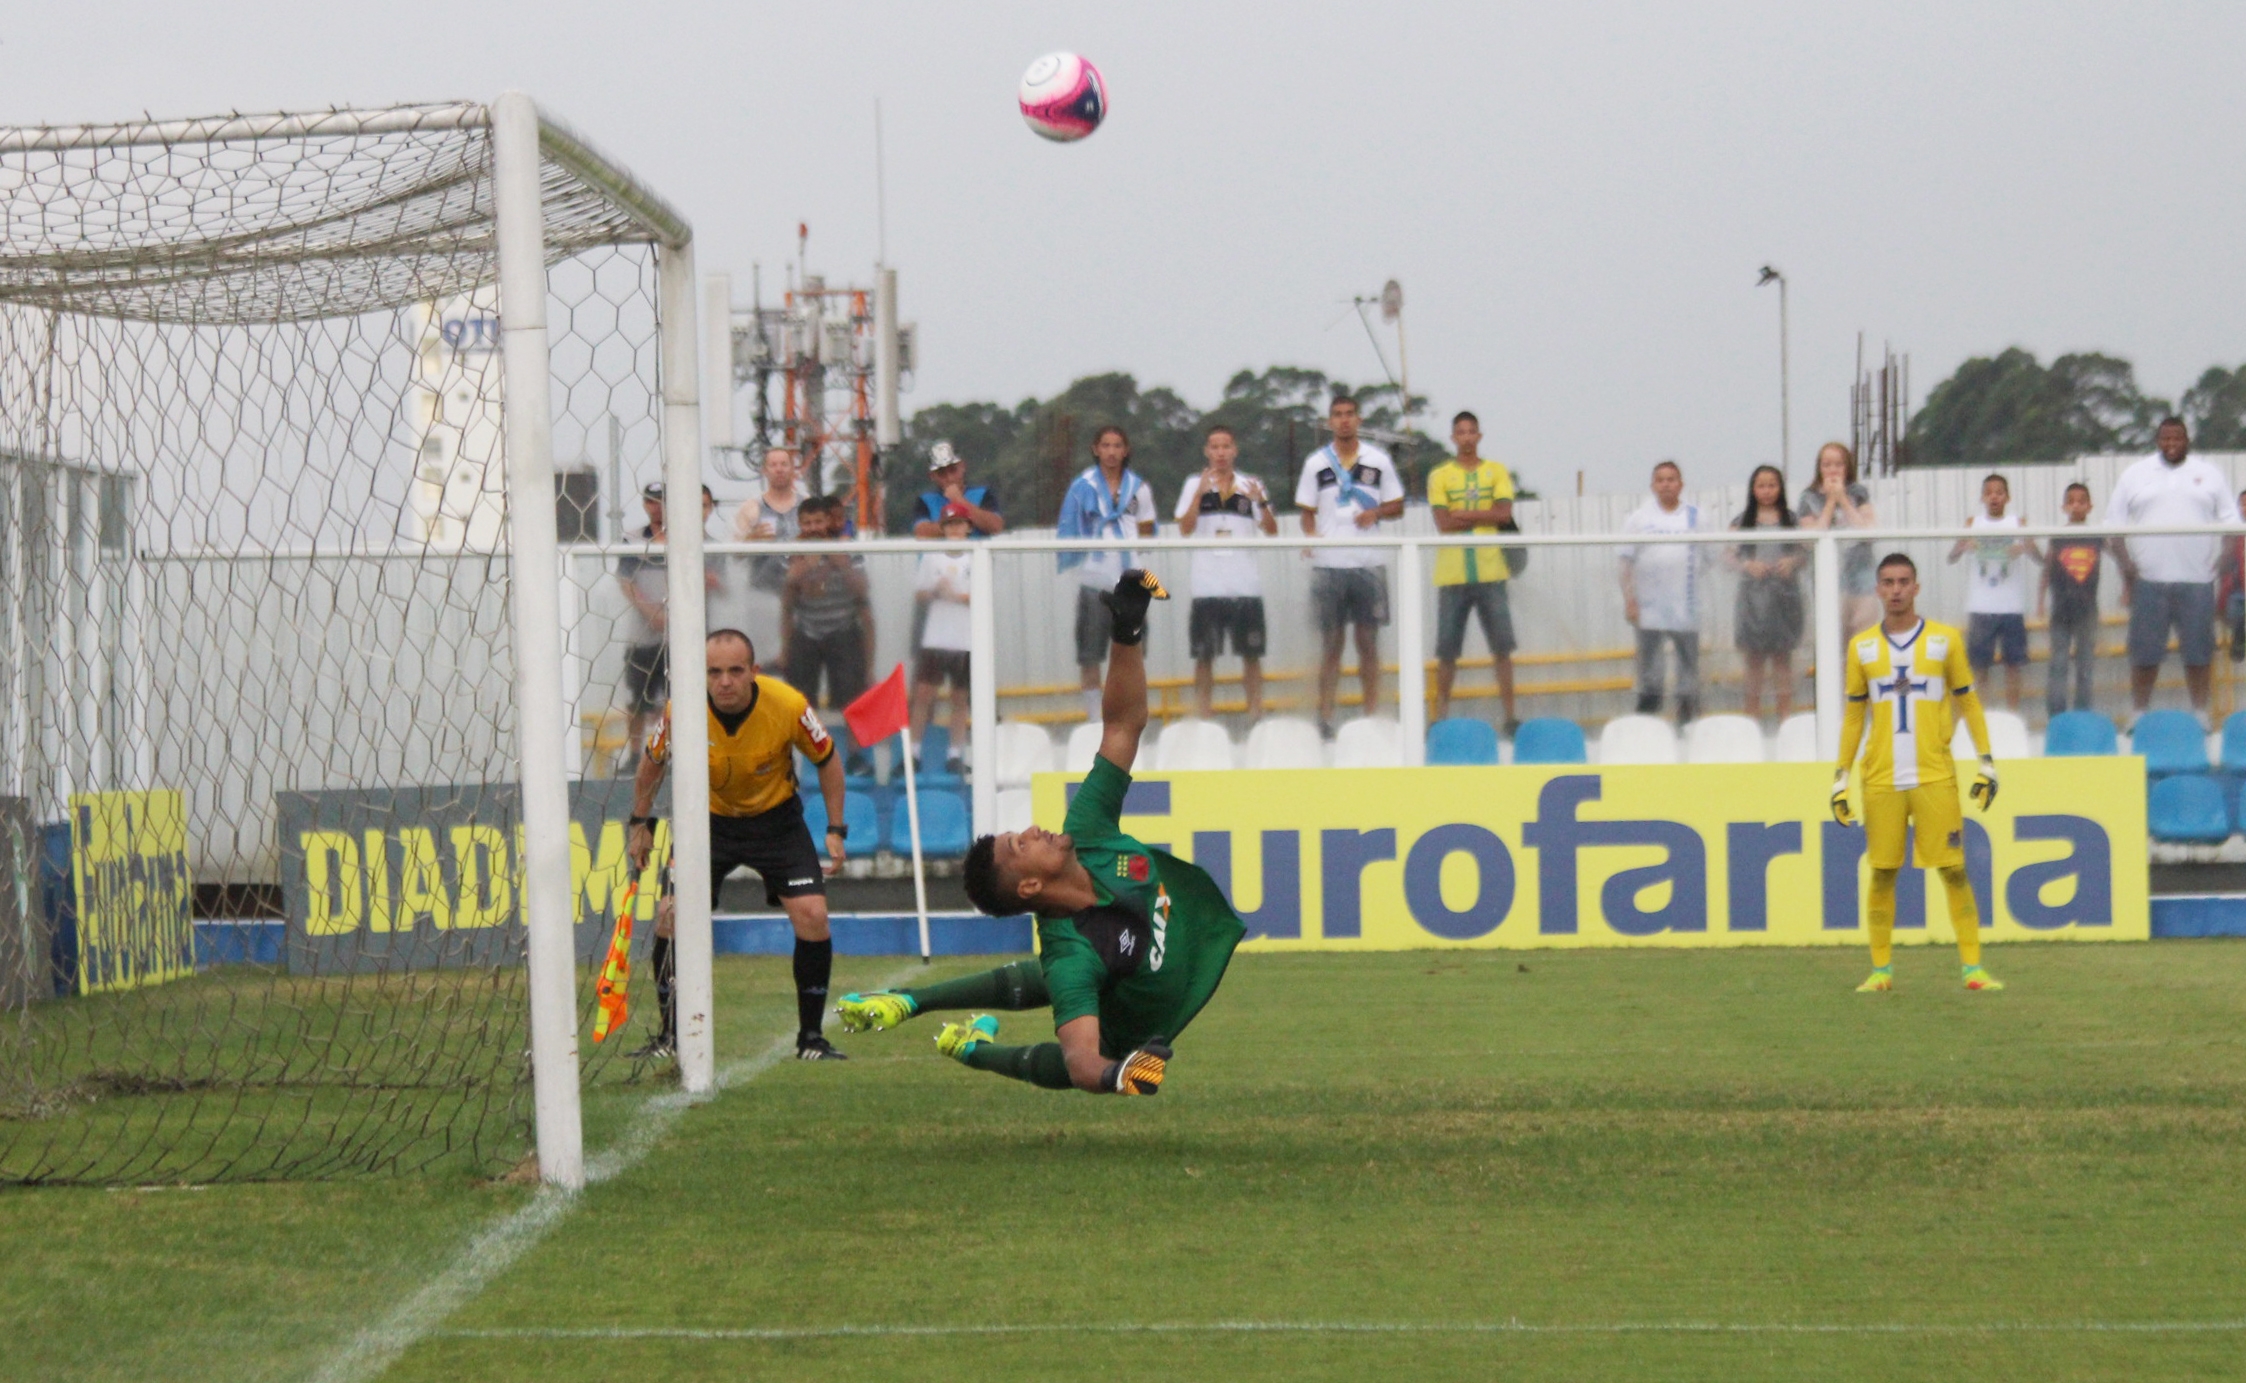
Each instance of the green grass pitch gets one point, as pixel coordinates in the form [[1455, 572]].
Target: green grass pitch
[[1565, 1165]]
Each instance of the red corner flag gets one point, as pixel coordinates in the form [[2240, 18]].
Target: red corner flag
[[881, 712]]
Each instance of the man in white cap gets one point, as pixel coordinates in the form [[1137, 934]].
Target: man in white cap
[[948, 473]]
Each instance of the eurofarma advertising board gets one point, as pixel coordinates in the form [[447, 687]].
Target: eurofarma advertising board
[[133, 889], [1578, 855], [410, 878]]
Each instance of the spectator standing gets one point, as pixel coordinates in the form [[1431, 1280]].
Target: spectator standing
[[2168, 582], [1109, 500], [1996, 603], [1469, 494], [2070, 586], [1767, 621], [646, 583], [1661, 592], [770, 517], [2230, 591], [1220, 502], [941, 587], [1835, 501], [947, 472], [1348, 486], [826, 616]]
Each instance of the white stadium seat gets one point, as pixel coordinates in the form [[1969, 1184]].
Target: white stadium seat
[[1083, 747], [1013, 810], [1189, 745], [1284, 742], [1724, 740], [1370, 742], [1637, 740], [1023, 749], [2008, 738], [1797, 740]]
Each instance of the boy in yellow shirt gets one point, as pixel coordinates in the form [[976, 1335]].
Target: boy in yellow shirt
[[1904, 674]]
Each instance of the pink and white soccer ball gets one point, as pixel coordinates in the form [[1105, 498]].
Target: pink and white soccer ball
[[1063, 97]]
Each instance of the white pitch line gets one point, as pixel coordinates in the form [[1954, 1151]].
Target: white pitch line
[[780, 1334], [492, 1252]]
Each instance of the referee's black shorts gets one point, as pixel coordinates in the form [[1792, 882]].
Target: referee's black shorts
[[776, 844]]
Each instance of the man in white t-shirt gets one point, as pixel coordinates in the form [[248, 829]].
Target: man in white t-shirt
[[1227, 586], [941, 585], [2167, 581], [1661, 592], [1109, 500], [1996, 601], [1348, 487]]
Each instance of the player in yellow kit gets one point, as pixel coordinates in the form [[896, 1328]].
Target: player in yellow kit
[[1908, 681]]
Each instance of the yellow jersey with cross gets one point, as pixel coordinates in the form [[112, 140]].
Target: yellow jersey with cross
[[1901, 690]]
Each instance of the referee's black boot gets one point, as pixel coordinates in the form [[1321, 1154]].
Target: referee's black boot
[[815, 1047]]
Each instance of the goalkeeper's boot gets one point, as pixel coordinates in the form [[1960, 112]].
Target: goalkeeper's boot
[[1141, 1072], [811, 1046], [876, 1012], [958, 1039], [1127, 603], [1882, 980], [1978, 980]]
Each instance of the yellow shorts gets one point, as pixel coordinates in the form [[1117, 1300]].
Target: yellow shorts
[[1933, 809]]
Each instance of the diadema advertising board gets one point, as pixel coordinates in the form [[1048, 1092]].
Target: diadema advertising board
[[1698, 855]]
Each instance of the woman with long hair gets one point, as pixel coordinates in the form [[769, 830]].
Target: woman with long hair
[[1835, 500], [1768, 617]]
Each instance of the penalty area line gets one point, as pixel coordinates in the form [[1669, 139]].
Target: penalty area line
[[372, 1350], [782, 1334]]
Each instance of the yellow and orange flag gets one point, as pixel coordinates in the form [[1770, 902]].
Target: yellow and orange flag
[[616, 971]]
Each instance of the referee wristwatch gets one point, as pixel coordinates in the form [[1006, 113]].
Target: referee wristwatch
[[836, 828]]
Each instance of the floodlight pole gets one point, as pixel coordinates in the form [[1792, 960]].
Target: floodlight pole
[[1785, 386], [542, 731], [690, 728]]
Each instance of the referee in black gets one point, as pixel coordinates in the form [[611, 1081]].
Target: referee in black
[[757, 724]]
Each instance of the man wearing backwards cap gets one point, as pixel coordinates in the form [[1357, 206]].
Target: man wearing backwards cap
[[647, 659], [948, 473]]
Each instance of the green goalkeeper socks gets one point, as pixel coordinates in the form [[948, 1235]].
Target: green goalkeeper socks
[[1009, 989], [1041, 1065]]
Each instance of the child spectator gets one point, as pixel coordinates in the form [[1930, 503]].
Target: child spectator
[[1661, 593], [941, 587], [2070, 586], [1996, 603], [1768, 617]]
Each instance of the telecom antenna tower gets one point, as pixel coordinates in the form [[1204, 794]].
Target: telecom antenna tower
[[836, 354]]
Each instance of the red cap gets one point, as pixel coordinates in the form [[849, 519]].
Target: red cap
[[955, 510]]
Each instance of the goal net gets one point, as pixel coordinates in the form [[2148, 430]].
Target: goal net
[[262, 768]]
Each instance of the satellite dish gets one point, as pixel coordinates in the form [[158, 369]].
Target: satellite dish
[[1391, 300]]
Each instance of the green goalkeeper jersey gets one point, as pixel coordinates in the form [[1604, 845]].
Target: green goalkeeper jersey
[[1148, 955]]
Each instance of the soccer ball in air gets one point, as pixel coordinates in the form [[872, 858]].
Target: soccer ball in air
[[1063, 97]]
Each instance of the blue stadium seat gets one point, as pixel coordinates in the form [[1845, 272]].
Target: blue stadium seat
[[1461, 741], [2234, 743], [935, 748], [946, 828], [2188, 808], [2077, 733], [2171, 742], [857, 813], [1549, 740]]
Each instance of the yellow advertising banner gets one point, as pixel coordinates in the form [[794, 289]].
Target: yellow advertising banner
[[1579, 855], [128, 864]]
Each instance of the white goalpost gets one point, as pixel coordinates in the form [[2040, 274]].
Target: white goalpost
[[305, 836]]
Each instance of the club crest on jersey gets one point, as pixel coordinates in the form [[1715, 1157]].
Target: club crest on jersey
[[1132, 867], [814, 729]]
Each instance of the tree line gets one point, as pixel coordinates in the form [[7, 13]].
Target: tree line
[[1032, 450], [2012, 407]]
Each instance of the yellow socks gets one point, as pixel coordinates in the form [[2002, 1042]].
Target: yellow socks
[[1965, 915], [1879, 911]]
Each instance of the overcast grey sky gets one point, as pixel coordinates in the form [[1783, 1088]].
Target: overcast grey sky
[[1576, 198]]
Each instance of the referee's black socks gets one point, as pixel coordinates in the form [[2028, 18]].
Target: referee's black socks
[[666, 989], [814, 966]]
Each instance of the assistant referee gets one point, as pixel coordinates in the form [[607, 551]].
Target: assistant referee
[[756, 819]]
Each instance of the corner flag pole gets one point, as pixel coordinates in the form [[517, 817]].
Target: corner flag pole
[[912, 817]]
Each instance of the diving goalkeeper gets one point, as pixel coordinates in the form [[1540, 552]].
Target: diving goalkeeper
[[1132, 941], [1904, 675]]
